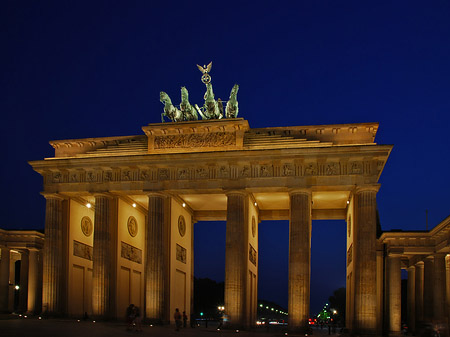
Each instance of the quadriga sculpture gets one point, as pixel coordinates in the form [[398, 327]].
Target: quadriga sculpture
[[232, 109], [170, 111], [188, 111]]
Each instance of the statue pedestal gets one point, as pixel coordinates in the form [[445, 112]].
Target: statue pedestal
[[198, 136]]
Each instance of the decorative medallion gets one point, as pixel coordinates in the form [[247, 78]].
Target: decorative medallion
[[253, 226], [181, 225], [86, 225], [132, 226]]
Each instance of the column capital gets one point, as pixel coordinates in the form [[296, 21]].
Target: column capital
[[366, 188], [243, 193], [156, 194], [103, 195], [294, 191], [55, 196]]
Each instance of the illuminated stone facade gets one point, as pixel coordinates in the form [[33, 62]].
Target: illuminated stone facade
[[206, 170], [425, 255], [24, 246]]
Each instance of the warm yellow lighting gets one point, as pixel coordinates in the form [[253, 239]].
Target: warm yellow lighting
[[256, 204], [184, 204], [17, 288], [88, 205], [348, 201], [134, 204]]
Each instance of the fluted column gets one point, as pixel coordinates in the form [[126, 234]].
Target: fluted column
[[4, 279], [102, 259], [24, 273], [236, 256], [364, 260], [33, 282], [299, 259], [411, 305], [394, 294], [52, 293], [428, 283], [155, 262], [439, 288], [419, 292]]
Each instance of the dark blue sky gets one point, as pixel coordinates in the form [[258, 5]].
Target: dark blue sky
[[74, 69]]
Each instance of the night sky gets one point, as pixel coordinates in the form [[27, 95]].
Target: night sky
[[76, 69]]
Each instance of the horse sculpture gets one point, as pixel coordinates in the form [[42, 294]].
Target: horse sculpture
[[170, 111], [210, 109], [232, 109], [188, 111]]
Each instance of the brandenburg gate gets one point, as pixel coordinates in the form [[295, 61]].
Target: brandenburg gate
[[120, 213]]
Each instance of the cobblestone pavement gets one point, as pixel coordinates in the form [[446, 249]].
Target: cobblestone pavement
[[33, 327]]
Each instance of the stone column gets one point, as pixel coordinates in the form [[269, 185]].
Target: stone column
[[33, 282], [156, 263], [439, 288], [447, 288], [394, 294], [4, 279], [364, 260], [299, 259], [428, 284], [411, 305], [23, 290], [419, 292], [236, 256], [102, 259], [53, 274]]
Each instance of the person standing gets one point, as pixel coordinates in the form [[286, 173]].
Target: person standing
[[184, 319], [137, 319], [177, 318]]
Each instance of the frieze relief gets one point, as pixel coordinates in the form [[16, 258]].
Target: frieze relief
[[252, 254], [332, 169], [163, 174], [286, 169], [131, 253], [202, 173], [181, 253], [145, 175], [349, 255], [245, 172], [91, 177], [83, 250], [224, 172], [266, 171], [310, 169], [355, 167], [183, 174], [215, 139]]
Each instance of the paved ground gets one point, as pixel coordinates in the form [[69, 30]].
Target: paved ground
[[33, 327]]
